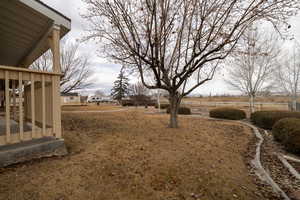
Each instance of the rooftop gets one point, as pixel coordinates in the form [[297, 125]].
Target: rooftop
[[26, 26]]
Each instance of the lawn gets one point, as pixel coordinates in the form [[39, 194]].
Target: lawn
[[133, 156]]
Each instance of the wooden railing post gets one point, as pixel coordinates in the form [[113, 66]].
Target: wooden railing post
[[7, 107], [56, 108], [21, 107], [32, 99], [14, 100], [15, 80], [43, 106]]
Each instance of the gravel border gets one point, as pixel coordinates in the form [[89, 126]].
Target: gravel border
[[260, 170]]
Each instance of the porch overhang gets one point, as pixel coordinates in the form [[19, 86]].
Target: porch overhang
[[25, 29]]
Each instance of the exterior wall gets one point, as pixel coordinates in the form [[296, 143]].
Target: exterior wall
[[70, 100]]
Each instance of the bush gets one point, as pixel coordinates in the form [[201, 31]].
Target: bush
[[267, 119], [227, 113], [132, 102], [287, 132], [182, 111], [163, 106], [127, 103], [150, 103]]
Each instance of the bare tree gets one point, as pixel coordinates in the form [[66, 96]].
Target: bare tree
[[178, 43], [100, 93], [139, 94], [287, 75], [74, 67], [254, 62], [138, 89]]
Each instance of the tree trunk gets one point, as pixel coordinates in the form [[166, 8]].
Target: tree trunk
[[174, 100], [158, 100], [251, 102]]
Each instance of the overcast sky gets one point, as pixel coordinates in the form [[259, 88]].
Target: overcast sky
[[105, 73]]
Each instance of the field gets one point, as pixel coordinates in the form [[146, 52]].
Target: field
[[131, 155], [268, 99], [204, 104]]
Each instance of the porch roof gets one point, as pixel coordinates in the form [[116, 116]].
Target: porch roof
[[25, 26]]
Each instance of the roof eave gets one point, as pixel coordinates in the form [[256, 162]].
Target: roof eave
[[58, 18]]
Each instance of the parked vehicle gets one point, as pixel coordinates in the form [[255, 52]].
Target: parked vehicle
[[96, 99]]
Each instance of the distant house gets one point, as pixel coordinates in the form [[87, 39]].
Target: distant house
[[72, 99]]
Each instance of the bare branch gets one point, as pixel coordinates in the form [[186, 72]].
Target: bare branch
[[74, 67]]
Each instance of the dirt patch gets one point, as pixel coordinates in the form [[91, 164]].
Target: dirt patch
[[131, 155]]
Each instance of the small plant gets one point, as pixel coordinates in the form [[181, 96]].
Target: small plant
[[267, 119], [182, 111], [287, 132], [227, 113]]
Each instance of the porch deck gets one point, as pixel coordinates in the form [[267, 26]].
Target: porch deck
[[14, 126], [32, 149], [29, 99]]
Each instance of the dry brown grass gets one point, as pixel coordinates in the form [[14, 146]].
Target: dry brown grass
[[270, 99], [91, 107], [133, 156]]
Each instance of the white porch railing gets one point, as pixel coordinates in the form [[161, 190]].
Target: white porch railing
[[32, 104]]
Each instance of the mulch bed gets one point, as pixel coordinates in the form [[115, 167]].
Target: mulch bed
[[266, 189], [274, 166], [296, 165]]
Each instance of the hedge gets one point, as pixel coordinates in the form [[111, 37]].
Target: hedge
[[267, 119], [131, 102], [127, 103], [287, 132], [182, 111], [227, 113], [163, 106]]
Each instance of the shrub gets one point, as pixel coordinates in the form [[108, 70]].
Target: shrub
[[163, 106], [287, 132], [151, 103], [132, 102], [182, 111], [127, 103], [227, 113], [267, 119]]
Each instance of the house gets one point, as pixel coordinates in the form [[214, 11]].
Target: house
[[31, 127], [72, 99]]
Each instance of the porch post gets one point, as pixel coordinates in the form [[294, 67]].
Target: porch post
[[56, 108]]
